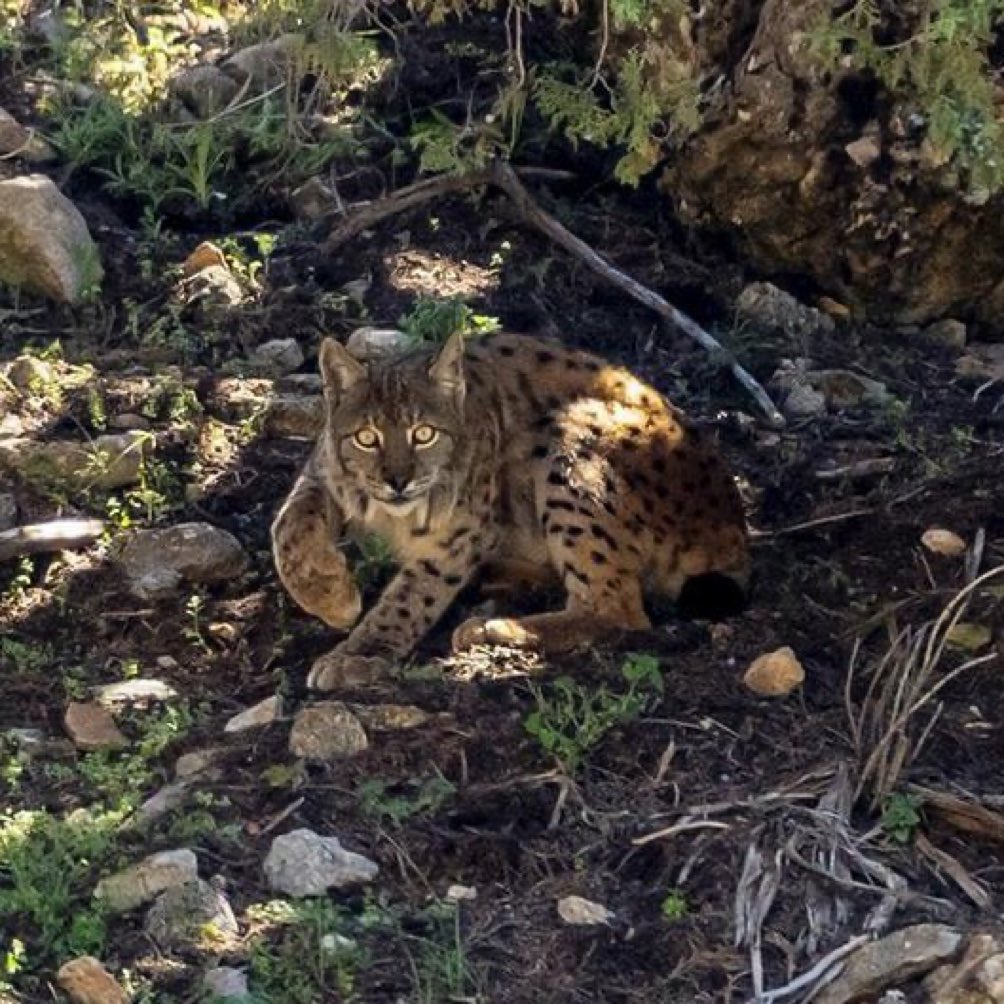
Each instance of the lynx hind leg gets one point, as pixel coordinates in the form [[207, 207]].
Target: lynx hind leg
[[600, 575], [310, 566]]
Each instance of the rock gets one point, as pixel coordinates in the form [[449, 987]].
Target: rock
[[847, 389], [157, 561], [91, 727], [167, 799], [145, 880], [206, 255], [894, 959], [943, 542], [30, 372], [460, 893], [86, 981], [982, 362], [204, 89], [128, 422], [182, 914], [298, 417], [584, 912], [303, 863], [196, 762], [264, 65], [106, 462], [390, 717], [133, 692], [213, 286], [327, 731], [948, 332], [226, 984], [803, 402], [19, 141], [312, 200], [864, 151], [375, 343], [765, 306], [45, 245], [977, 978], [8, 511], [263, 713], [279, 356], [774, 674]]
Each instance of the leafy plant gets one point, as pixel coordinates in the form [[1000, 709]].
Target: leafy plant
[[901, 817], [376, 799], [570, 720], [435, 320], [675, 905]]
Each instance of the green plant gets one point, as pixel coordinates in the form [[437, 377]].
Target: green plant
[[376, 799], [901, 817], [309, 958], [675, 905], [48, 866], [435, 320], [194, 607], [570, 720], [442, 972], [375, 560], [938, 62]]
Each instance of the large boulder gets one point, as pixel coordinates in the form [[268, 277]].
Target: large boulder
[[45, 245]]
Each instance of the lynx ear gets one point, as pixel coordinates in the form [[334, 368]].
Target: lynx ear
[[339, 369], [447, 369]]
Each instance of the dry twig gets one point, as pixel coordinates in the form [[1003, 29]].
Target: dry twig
[[503, 176]]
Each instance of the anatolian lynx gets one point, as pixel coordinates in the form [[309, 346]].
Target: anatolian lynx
[[514, 454]]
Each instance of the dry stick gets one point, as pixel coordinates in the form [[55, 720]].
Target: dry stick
[[58, 535], [503, 176]]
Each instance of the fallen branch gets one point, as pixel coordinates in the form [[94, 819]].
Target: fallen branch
[[41, 538], [505, 177]]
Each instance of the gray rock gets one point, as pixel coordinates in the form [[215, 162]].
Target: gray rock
[[17, 140], [312, 200], [146, 879], [847, 389], [8, 511], [91, 727], [226, 983], [264, 65], [802, 401], [213, 286], [377, 343], [11, 426], [303, 863], [295, 416], [204, 89], [157, 561], [181, 915], [977, 978], [948, 332], [167, 799], [896, 958], [263, 713], [198, 762], [771, 309], [128, 422], [279, 356], [390, 717], [327, 731], [27, 372], [45, 245], [132, 692], [106, 462]]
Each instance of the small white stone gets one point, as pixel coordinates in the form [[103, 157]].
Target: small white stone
[[263, 713], [458, 893], [579, 911]]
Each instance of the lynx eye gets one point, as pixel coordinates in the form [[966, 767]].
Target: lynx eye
[[367, 439], [424, 435]]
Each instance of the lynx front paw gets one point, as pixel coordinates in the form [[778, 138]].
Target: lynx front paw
[[335, 600], [338, 670], [494, 631]]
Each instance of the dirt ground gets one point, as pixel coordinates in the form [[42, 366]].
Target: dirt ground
[[470, 797]]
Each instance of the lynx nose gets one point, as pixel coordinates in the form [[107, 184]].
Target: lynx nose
[[398, 483]]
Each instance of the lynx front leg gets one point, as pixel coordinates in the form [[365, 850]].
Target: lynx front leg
[[313, 570], [413, 602]]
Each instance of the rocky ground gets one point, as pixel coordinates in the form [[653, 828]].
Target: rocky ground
[[807, 794]]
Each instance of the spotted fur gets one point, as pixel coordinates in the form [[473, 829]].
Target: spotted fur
[[544, 459]]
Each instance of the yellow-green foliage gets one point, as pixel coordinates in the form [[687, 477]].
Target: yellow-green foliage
[[942, 67]]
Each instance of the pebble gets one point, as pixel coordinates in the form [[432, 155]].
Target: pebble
[[85, 981], [945, 542], [91, 727], [145, 880], [263, 713], [226, 984], [583, 912], [327, 731], [184, 915], [775, 674], [128, 693]]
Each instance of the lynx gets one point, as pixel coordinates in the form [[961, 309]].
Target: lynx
[[514, 458]]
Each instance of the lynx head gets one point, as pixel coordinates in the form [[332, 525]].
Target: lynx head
[[393, 425]]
